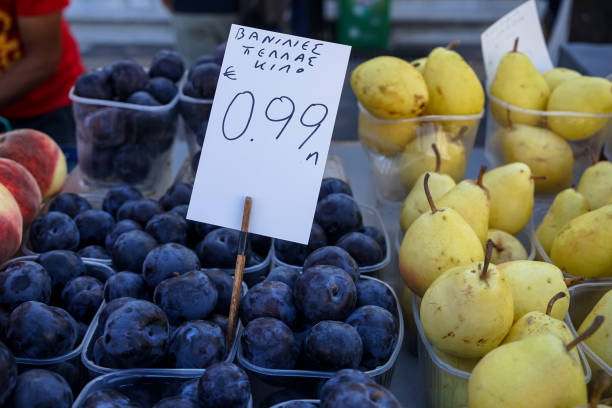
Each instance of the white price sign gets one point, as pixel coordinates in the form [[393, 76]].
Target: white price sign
[[269, 132]]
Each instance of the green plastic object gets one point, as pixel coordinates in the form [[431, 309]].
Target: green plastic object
[[364, 23]]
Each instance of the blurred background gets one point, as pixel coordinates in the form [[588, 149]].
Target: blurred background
[[579, 33]]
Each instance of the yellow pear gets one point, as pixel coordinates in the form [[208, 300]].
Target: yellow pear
[[416, 202], [566, 206], [518, 83], [419, 64], [418, 157], [601, 341], [537, 371], [390, 88], [511, 190], [596, 184], [555, 76], [386, 137], [459, 363], [533, 283], [583, 247], [507, 247], [545, 153], [467, 311], [436, 241], [535, 323], [471, 200], [584, 94]]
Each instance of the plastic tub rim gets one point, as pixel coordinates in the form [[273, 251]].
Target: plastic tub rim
[[513, 108], [426, 118], [122, 105], [284, 404]]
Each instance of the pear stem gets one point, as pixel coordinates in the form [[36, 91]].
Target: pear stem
[[483, 170], [571, 281], [416, 64], [515, 48], [438, 158], [432, 205], [552, 301], [487, 260], [510, 124], [601, 383], [597, 322], [453, 44], [537, 177], [460, 133], [593, 156]]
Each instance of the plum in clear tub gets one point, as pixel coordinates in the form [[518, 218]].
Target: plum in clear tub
[[124, 143], [560, 174], [142, 385], [314, 402], [371, 218], [307, 378], [195, 113], [94, 331], [400, 150], [256, 273], [445, 385]]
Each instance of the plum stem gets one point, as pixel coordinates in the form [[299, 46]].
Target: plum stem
[[487, 260], [334, 289], [602, 382], [438, 158], [597, 322], [453, 44], [552, 301], [537, 177], [515, 47], [432, 205], [460, 133]]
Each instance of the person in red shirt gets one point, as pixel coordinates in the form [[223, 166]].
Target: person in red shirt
[[39, 63]]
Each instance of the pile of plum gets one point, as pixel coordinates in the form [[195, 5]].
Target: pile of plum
[[123, 141], [338, 221]]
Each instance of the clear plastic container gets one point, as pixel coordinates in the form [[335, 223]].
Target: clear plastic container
[[371, 218], [314, 402], [195, 113], [94, 331], [445, 385], [382, 374], [108, 131], [140, 383], [497, 155], [400, 150]]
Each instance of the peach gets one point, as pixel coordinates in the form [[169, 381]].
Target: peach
[[22, 185], [38, 153], [10, 225]]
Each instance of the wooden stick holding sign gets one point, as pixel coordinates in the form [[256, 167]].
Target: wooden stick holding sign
[[240, 261]]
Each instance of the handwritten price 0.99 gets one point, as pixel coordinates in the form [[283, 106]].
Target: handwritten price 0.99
[[280, 109]]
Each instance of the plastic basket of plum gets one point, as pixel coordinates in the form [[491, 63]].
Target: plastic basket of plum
[[126, 120], [222, 385], [301, 327], [142, 235], [46, 305], [339, 220]]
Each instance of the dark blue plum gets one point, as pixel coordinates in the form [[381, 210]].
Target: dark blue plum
[[356, 394], [202, 229], [41, 389], [196, 344], [142, 98], [284, 274], [62, 266], [295, 254], [4, 319], [224, 284], [269, 299], [81, 330], [94, 252], [93, 226], [224, 385], [335, 256], [131, 249], [93, 84], [166, 261], [127, 77], [109, 398], [378, 331], [167, 64], [82, 297], [363, 248], [168, 227], [99, 271], [96, 162], [162, 89], [116, 196], [69, 204], [141, 210], [338, 214], [348, 375], [132, 163], [191, 296], [177, 194], [136, 334], [332, 345], [111, 306], [202, 59], [119, 228], [260, 244], [37, 330], [107, 127], [299, 404], [331, 185], [373, 292], [269, 343], [220, 53], [219, 249], [125, 284], [195, 161], [325, 293], [22, 281], [221, 321], [53, 230], [189, 390], [175, 402], [378, 236], [8, 373], [253, 258], [203, 80]]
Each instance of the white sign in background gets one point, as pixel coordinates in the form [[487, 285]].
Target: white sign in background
[[522, 22], [269, 132]]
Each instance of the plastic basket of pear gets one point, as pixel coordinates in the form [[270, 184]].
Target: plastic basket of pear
[[550, 121], [404, 109]]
